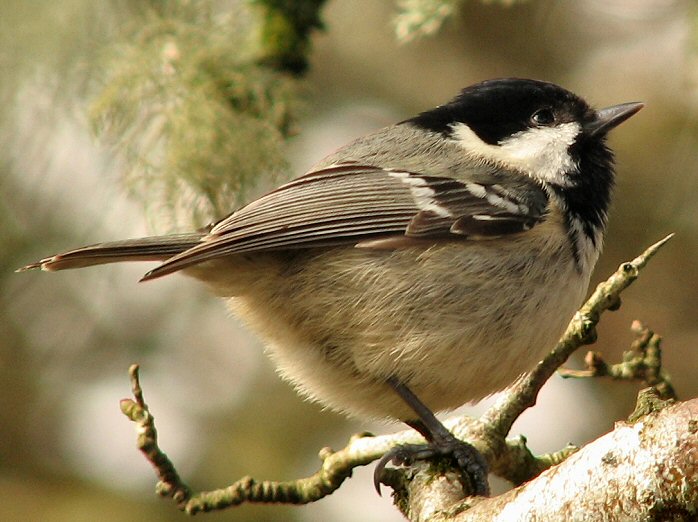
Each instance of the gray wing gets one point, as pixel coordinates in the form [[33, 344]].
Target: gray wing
[[351, 204]]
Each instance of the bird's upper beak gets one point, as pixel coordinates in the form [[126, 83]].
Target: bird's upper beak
[[606, 119]]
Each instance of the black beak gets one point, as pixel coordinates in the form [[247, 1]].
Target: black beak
[[610, 117]]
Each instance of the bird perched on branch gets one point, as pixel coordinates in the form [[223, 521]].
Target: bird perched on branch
[[418, 268]]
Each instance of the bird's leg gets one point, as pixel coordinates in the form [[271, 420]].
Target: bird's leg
[[440, 442]]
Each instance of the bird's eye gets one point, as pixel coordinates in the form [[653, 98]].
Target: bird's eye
[[543, 117]]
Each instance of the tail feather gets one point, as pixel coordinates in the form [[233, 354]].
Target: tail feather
[[154, 248]]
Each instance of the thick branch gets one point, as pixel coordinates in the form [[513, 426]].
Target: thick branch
[[644, 471]]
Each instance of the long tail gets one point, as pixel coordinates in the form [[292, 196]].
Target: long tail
[[155, 248]]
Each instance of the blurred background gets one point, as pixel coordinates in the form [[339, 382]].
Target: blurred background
[[85, 134]]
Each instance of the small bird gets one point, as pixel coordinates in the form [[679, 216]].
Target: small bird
[[420, 267]]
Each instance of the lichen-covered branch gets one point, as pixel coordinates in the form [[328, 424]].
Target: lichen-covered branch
[[642, 471], [517, 463], [643, 362], [170, 484], [336, 466], [509, 458]]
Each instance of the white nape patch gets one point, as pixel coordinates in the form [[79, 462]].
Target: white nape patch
[[423, 195], [540, 152]]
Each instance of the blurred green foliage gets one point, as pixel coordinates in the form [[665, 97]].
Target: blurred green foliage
[[184, 100], [286, 29], [418, 18]]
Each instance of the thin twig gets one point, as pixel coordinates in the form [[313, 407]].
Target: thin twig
[[170, 484], [642, 362], [336, 467]]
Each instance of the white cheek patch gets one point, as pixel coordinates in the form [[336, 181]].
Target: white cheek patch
[[540, 152]]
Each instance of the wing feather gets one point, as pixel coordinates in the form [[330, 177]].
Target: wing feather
[[352, 204]]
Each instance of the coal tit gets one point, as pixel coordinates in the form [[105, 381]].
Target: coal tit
[[418, 268]]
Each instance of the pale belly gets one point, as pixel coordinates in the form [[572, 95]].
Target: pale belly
[[455, 322]]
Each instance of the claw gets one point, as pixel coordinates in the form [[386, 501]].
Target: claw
[[403, 455], [378, 472], [470, 461]]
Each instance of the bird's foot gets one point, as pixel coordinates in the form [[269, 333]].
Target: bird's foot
[[469, 460]]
